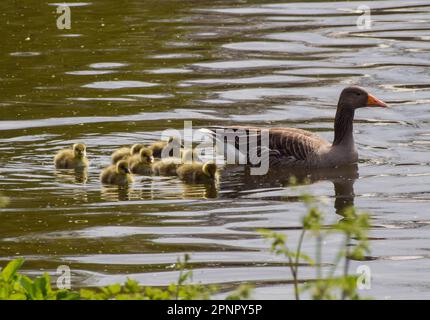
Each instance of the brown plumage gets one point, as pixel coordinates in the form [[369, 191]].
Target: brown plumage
[[198, 172], [118, 174], [301, 148], [125, 152], [74, 158], [141, 163]]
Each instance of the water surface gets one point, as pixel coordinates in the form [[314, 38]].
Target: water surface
[[128, 70]]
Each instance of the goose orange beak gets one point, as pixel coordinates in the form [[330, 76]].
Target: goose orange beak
[[372, 101]]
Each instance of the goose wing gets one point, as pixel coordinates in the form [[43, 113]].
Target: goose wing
[[285, 144]]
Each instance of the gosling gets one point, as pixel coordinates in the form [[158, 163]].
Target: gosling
[[118, 174], [157, 147], [125, 153], [198, 172], [75, 158], [168, 166], [141, 163]]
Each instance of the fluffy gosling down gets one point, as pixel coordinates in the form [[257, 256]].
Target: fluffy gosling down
[[168, 166], [141, 163], [118, 174], [125, 152], [198, 172], [74, 158], [157, 147]]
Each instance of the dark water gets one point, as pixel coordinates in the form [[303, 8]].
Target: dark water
[[129, 69]]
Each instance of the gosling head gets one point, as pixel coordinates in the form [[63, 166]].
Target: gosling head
[[79, 150], [146, 156], [122, 167], [210, 169], [135, 148]]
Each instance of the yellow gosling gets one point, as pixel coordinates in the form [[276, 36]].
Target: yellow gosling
[[118, 174], [141, 163], [168, 166], [74, 158], [125, 152], [157, 147], [198, 172]]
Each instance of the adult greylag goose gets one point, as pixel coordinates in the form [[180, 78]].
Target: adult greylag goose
[[300, 148]]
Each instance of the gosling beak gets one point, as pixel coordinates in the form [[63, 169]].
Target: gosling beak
[[372, 101], [126, 170], [151, 159]]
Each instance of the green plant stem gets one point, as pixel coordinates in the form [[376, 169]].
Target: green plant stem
[[337, 261], [339, 257], [347, 261], [178, 286], [293, 271], [296, 263], [318, 255]]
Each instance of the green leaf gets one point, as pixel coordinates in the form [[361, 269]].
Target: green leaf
[[10, 270], [87, 294], [114, 288], [67, 295], [43, 286], [28, 286], [131, 286], [17, 296]]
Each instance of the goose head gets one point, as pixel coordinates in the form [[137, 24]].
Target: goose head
[[355, 97]]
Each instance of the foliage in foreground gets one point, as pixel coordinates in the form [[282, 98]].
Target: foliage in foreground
[[353, 227], [15, 286]]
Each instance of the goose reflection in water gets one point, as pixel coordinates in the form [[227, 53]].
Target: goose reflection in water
[[343, 179]]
